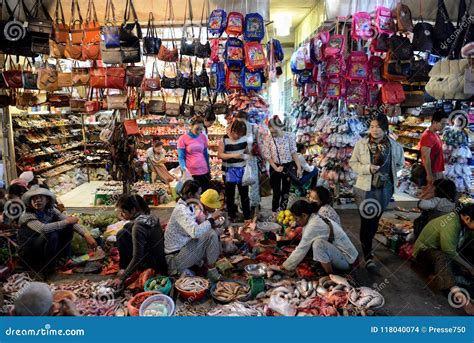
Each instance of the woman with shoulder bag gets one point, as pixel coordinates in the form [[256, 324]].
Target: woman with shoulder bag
[[376, 159], [280, 151]]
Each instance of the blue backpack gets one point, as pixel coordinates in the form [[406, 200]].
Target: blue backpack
[[277, 50], [217, 22], [252, 80], [234, 53], [217, 77], [254, 27]]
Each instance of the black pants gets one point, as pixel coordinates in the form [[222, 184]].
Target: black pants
[[203, 180], [244, 198], [41, 252], [368, 229], [437, 263], [281, 184], [153, 252]]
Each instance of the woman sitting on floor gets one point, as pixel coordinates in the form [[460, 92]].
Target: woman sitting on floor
[[188, 243], [331, 245], [45, 234], [140, 242]]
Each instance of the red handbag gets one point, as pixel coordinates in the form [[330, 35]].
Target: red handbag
[[152, 84], [92, 106], [91, 25], [131, 127], [13, 77], [97, 77], [115, 78], [393, 93]]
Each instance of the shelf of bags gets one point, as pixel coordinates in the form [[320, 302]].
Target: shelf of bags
[[60, 171], [80, 145]]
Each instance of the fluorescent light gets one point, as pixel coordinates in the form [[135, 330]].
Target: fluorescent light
[[282, 24]]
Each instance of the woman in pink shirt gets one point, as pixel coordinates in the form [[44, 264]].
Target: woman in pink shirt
[[193, 155]]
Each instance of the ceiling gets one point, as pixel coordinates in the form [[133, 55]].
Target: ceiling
[[298, 9]]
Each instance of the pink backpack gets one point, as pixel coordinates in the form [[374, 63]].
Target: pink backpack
[[356, 93], [336, 46], [362, 26], [311, 89], [375, 70], [334, 66], [384, 21], [373, 95], [307, 56], [317, 46], [357, 66], [334, 88]]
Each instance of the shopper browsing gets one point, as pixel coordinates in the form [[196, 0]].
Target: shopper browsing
[[376, 160], [330, 244], [322, 197], [280, 151], [431, 148], [233, 150], [310, 172], [156, 160], [45, 234], [188, 243], [141, 241], [193, 155], [439, 249]]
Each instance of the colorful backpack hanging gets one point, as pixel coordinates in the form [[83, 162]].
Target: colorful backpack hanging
[[356, 93], [217, 22], [336, 45], [254, 56], [234, 53], [362, 26], [334, 66], [307, 56], [217, 77], [384, 21], [357, 66], [317, 45], [333, 89], [380, 43], [297, 61], [311, 89], [235, 24], [305, 77], [278, 53], [252, 80], [254, 27], [232, 80], [373, 95], [375, 70]]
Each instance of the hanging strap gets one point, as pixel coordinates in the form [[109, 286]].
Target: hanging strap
[[171, 16], [59, 10], [38, 8], [331, 229], [91, 15], [74, 6], [151, 30]]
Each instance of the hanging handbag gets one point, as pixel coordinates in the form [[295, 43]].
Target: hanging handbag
[[447, 80], [18, 41], [25, 100], [169, 82], [187, 110], [47, 78], [420, 70], [29, 78], [443, 31], [64, 78], [130, 35], [392, 93], [185, 81], [40, 22], [110, 30], [220, 107], [110, 55], [77, 105], [97, 77], [74, 43], [151, 42], [60, 28], [92, 106], [404, 20], [423, 34], [173, 109], [91, 25], [131, 127], [56, 50], [400, 48], [152, 84], [59, 100], [187, 48], [80, 76], [201, 80], [117, 102], [203, 50], [134, 76], [115, 78], [13, 76], [157, 107], [165, 54]]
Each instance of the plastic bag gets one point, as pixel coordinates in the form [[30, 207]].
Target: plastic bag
[[250, 176]]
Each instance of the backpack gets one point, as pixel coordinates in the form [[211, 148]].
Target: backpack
[[317, 45], [357, 66], [234, 53], [401, 48], [278, 53], [373, 94], [297, 61], [384, 21], [217, 77], [232, 79], [252, 80], [393, 93], [396, 70], [217, 22], [423, 37], [356, 93], [375, 70], [334, 66], [380, 43], [312, 89], [254, 27], [235, 24], [334, 88], [254, 56], [362, 26], [336, 45]]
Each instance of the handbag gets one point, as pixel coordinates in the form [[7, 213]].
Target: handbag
[[97, 77], [76, 32], [447, 80], [443, 30], [110, 30], [91, 52], [25, 100], [117, 102], [59, 100], [56, 50], [392, 93], [110, 55], [80, 76], [154, 83], [186, 109], [134, 76], [40, 22], [404, 20], [29, 78], [47, 78], [165, 54], [64, 79], [131, 127], [151, 42], [187, 48], [92, 106], [203, 50], [157, 107], [91, 25], [169, 82], [13, 77], [77, 105], [60, 28], [115, 78], [420, 70], [469, 79], [423, 36], [130, 35], [201, 80], [173, 109], [131, 54]]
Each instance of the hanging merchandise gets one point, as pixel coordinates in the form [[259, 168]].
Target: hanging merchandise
[[29, 78], [234, 53], [165, 54], [401, 48], [217, 78], [170, 82], [420, 70], [443, 30], [80, 76], [304, 78], [336, 46], [404, 20], [457, 155], [297, 62], [130, 35], [97, 78], [252, 80], [18, 41], [64, 78], [185, 76], [203, 50], [312, 89], [357, 66], [153, 83], [151, 42], [40, 26], [447, 80], [47, 78], [110, 45], [157, 107], [92, 106], [356, 93], [91, 39], [380, 43], [214, 44], [254, 27], [274, 45], [235, 24], [187, 48], [333, 89], [73, 46], [233, 80], [469, 79], [395, 69], [384, 21], [187, 110], [423, 35], [117, 102], [392, 93], [60, 28], [373, 95], [254, 56], [217, 22], [134, 76], [13, 76], [335, 66], [201, 80], [362, 26], [375, 70]]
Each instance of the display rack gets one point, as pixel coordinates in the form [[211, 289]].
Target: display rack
[[96, 152]]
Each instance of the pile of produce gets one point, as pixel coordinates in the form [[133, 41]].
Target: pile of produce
[[227, 291], [192, 284], [285, 218]]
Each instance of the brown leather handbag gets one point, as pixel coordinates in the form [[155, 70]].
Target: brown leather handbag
[[76, 32], [64, 80], [165, 54], [117, 102], [77, 105], [60, 28], [73, 51], [80, 76], [13, 77], [48, 78], [152, 84], [91, 25], [115, 78], [56, 50], [91, 52], [134, 76], [97, 77], [93, 105]]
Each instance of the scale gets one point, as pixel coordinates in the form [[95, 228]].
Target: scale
[[256, 273]]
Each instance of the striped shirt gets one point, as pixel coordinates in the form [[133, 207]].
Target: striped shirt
[[234, 147], [52, 220]]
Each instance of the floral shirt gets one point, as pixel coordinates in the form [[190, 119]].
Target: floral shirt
[[328, 212], [286, 145]]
